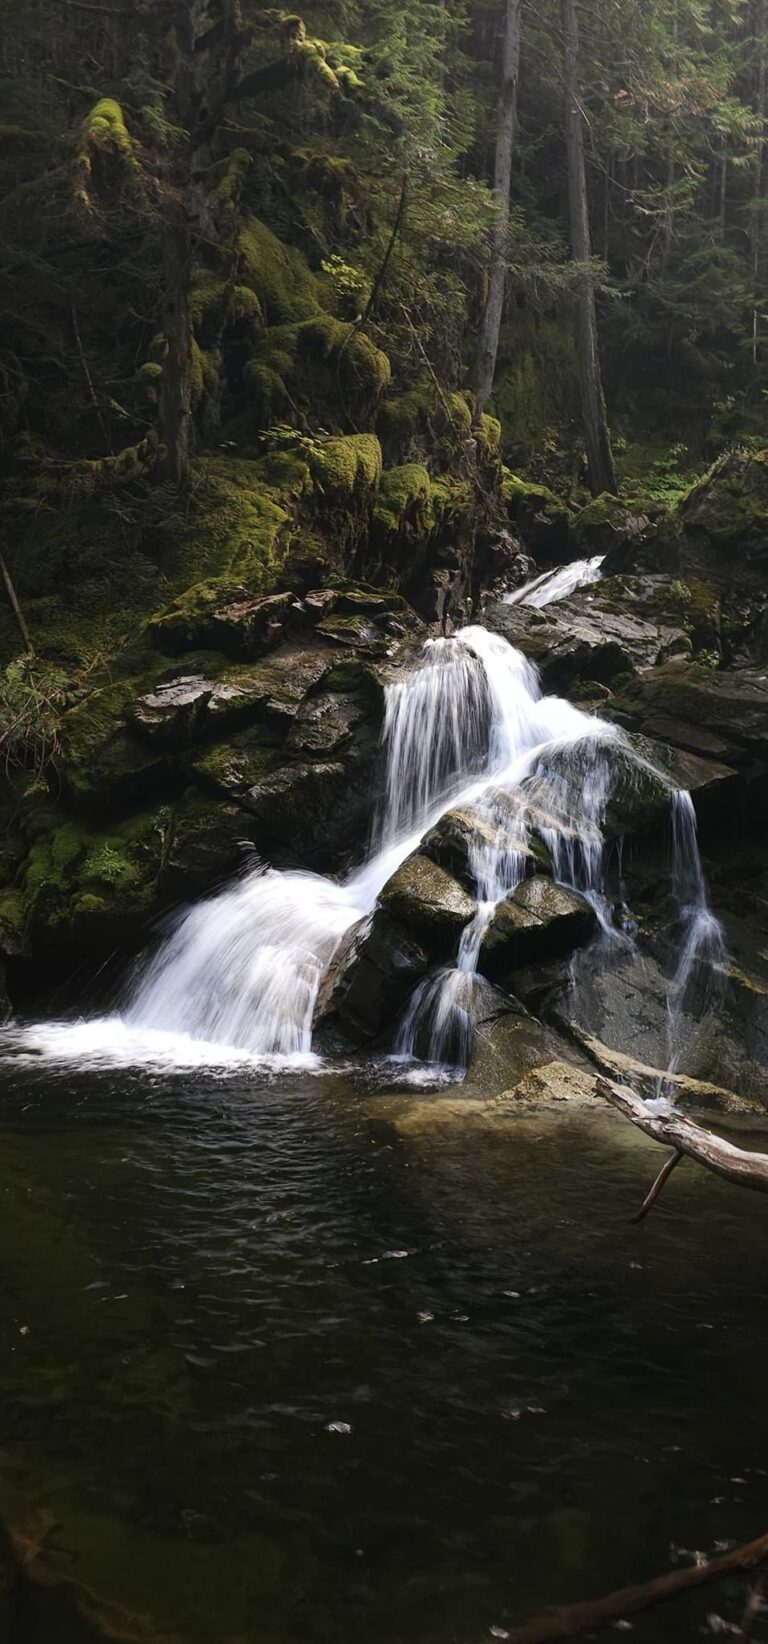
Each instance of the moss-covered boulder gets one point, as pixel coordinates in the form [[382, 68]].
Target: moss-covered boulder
[[607, 523], [222, 616], [102, 767], [79, 889], [428, 902], [541, 519], [727, 511]]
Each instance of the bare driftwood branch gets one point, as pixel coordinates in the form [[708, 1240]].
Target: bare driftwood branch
[[574, 1619], [735, 1164], [666, 1171]]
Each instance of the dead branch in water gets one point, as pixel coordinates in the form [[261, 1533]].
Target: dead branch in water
[[574, 1619], [735, 1164], [666, 1171]]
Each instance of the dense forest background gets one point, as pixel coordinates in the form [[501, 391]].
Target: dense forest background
[[249, 257]]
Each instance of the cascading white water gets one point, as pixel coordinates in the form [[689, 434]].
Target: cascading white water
[[698, 983], [244, 968], [550, 586], [435, 732], [466, 726]]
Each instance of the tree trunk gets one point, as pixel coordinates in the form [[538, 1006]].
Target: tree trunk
[[488, 342], [176, 384], [602, 476], [759, 208]]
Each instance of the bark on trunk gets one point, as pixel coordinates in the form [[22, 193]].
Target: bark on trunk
[[602, 475], [488, 342], [758, 214], [176, 384]]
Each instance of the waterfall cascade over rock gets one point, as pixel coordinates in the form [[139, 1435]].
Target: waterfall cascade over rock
[[467, 733], [466, 725], [551, 586]]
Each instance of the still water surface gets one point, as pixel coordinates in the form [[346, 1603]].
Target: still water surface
[[289, 1359]]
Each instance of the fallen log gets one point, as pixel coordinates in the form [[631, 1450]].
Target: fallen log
[[574, 1619], [674, 1130]]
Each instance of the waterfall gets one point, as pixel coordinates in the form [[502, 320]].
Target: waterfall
[[465, 726], [435, 731], [558, 584]]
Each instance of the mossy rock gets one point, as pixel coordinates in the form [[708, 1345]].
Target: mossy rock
[[542, 519], [404, 500], [727, 511], [88, 889], [222, 616], [347, 468], [101, 766], [233, 768], [429, 902], [608, 523], [278, 274], [403, 424], [321, 363]]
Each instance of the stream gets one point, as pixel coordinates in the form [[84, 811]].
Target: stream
[[304, 1349], [287, 1358]]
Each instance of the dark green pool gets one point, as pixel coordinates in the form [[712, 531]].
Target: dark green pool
[[291, 1361]]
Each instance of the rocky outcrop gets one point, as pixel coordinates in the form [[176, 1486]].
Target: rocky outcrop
[[695, 705], [166, 776], [569, 642]]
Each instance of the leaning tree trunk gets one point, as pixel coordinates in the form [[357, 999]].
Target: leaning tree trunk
[[176, 383], [488, 342], [602, 476]]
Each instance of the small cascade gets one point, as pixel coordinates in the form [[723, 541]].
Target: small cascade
[[697, 986], [435, 732], [550, 586]]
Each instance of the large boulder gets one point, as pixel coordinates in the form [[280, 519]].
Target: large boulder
[[542, 520], [607, 524], [726, 513], [539, 921], [429, 902], [464, 834], [369, 981]]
